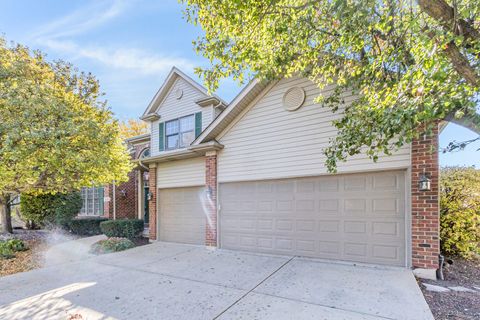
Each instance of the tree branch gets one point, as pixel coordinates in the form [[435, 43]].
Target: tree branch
[[445, 15], [461, 64], [470, 121]]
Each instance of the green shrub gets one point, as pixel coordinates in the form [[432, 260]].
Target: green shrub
[[111, 245], [460, 211], [47, 209], [6, 253], [125, 228], [16, 245], [67, 208], [87, 226], [9, 247], [39, 209]]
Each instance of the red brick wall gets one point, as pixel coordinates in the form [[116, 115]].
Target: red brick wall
[[126, 198], [126, 194], [425, 204], [152, 204], [211, 185]]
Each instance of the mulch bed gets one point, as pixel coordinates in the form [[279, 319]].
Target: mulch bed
[[140, 241], [453, 304], [24, 260], [25, 235], [37, 241]]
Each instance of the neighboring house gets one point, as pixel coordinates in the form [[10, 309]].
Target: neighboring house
[[251, 176]]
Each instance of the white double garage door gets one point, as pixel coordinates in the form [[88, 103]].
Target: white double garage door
[[354, 217]]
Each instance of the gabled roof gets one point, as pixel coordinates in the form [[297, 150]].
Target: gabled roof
[[238, 104], [172, 76], [138, 139]]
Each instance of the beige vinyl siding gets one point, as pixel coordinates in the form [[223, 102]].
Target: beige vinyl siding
[[173, 108], [268, 142], [181, 173]]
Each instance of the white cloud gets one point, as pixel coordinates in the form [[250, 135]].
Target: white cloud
[[58, 34], [121, 58], [82, 20]]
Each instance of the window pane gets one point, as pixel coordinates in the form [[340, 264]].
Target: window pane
[[89, 206], [187, 123], [172, 142], [171, 127], [97, 207], [187, 138]]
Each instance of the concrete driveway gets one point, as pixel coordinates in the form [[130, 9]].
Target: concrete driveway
[[174, 281]]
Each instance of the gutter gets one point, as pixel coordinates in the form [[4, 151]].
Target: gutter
[[190, 152]]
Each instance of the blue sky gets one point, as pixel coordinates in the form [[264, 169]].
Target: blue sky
[[130, 45]]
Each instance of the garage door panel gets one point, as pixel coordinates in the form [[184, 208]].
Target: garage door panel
[[357, 217], [386, 182], [181, 217]]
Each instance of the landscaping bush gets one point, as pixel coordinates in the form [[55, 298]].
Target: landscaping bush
[[6, 252], [87, 226], [125, 228], [9, 247], [47, 209], [38, 209], [111, 245], [67, 208], [16, 245], [460, 211]]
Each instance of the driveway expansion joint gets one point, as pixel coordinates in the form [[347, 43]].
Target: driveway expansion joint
[[327, 306], [255, 287]]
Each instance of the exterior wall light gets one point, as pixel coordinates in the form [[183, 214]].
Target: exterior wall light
[[123, 193], [209, 191], [149, 196], [424, 183]]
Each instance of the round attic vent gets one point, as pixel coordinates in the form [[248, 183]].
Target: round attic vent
[[293, 98], [179, 93]]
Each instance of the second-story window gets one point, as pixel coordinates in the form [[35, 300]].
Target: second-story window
[[180, 132]]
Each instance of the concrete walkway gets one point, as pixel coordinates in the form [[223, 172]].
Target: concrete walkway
[[173, 281], [70, 251]]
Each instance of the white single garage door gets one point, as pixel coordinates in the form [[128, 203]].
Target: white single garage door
[[355, 217], [181, 217]]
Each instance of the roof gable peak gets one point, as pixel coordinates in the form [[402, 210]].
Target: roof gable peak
[[165, 88]]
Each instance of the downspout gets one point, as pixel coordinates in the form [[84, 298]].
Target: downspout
[[114, 200]]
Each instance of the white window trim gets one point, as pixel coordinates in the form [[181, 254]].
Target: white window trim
[[86, 200], [179, 133]]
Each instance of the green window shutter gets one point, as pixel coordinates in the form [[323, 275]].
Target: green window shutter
[[161, 136], [198, 124], [100, 200]]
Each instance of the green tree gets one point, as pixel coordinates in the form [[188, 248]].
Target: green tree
[[56, 135], [460, 211], [411, 63], [132, 128]]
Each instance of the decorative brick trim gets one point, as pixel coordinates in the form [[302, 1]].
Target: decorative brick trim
[[211, 186], [425, 204], [152, 204]]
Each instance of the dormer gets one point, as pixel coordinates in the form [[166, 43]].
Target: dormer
[[179, 112]]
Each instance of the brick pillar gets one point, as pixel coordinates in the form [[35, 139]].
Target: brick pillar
[[152, 204], [107, 203], [211, 193], [425, 204]]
